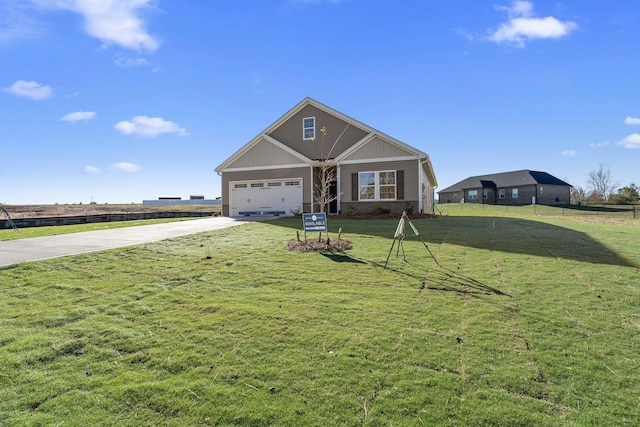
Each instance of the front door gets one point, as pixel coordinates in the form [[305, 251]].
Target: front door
[[333, 192]]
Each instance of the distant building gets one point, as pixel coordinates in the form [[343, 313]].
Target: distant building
[[170, 201], [521, 187]]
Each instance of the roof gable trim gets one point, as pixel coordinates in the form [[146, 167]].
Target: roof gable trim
[[247, 147]]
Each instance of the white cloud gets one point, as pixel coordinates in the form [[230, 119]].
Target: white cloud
[[17, 21], [77, 116], [523, 26], [149, 127], [29, 89], [111, 21], [125, 62], [599, 144], [125, 167], [92, 170], [630, 141], [569, 153], [632, 121]]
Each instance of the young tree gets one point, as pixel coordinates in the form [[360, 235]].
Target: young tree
[[326, 174], [601, 183], [577, 195]]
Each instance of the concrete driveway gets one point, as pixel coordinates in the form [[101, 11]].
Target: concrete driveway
[[39, 248]]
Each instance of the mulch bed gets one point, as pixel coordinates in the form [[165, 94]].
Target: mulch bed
[[324, 245]]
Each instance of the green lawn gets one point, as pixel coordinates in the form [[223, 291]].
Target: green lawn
[[529, 320], [25, 233]]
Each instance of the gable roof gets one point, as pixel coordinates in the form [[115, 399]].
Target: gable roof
[[368, 132], [505, 179]]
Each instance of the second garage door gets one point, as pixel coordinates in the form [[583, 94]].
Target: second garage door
[[269, 197]]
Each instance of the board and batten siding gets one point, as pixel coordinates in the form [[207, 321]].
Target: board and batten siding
[[411, 179], [264, 153], [267, 174], [378, 148], [290, 134]]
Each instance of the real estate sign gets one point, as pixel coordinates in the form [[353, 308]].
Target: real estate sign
[[314, 222]]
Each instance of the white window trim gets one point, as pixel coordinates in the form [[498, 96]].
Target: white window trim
[[514, 193], [502, 194], [304, 129], [376, 181], [472, 194]]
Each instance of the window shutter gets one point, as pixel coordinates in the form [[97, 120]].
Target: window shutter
[[354, 186], [400, 185]]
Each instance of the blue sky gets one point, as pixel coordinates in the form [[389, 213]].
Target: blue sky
[[124, 100]]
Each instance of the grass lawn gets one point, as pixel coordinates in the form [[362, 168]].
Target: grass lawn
[[528, 321], [25, 233]]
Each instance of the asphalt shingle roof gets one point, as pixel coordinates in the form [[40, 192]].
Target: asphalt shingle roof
[[505, 179]]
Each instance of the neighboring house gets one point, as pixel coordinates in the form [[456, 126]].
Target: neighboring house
[[276, 173], [522, 187]]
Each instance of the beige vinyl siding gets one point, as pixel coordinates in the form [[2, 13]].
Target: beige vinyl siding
[[376, 149], [290, 134], [264, 153], [411, 180], [282, 173]]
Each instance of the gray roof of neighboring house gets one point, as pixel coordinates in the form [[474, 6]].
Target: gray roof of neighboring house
[[505, 179]]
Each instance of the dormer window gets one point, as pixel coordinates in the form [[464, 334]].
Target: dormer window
[[309, 128]]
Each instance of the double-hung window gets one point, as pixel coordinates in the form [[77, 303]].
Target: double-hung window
[[473, 195], [514, 193], [308, 128], [380, 185]]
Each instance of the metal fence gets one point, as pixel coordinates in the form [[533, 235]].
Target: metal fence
[[88, 219]]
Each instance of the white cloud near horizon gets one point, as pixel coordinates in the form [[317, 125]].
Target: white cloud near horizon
[[111, 21], [29, 89], [92, 170], [632, 121], [523, 26], [569, 153], [125, 167], [149, 127], [78, 116], [631, 141]]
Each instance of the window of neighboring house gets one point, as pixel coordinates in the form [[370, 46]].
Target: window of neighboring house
[[485, 194], [501, 194], [309, 128], [541, 190], [472, 194], [514, 193], [377, 185], [455, 195]]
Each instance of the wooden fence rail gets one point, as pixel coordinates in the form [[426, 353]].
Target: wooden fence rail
[[87, 219]]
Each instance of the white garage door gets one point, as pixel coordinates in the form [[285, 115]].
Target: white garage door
[[270, 197]]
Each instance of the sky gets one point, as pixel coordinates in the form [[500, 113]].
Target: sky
[[119, 101]]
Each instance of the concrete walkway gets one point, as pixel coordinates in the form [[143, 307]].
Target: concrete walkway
[[39, 248]]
